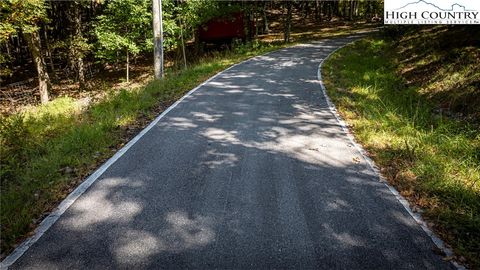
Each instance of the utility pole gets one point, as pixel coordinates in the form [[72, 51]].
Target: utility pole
[[158, 38]]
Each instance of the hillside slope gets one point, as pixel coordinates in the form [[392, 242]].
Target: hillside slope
[[412, 99]]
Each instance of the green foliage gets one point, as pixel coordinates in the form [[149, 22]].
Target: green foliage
[[4, 61], [190, 14], [21, 15], [13, 139], [127, 25], [431, 159], [171, 27], [124, 26], [51, 146], [196, 13], [79, 46]]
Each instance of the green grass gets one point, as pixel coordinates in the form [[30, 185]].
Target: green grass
[[443, 61], [433, 160], [49, 149]]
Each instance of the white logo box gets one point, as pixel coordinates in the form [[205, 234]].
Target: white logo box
[[432, 12]]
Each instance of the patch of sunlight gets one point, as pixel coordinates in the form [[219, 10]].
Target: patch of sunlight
[[61, 106], [367, 92], [406, 49], [135, 246], [226, 62], [394, 119], [448, 80], [378, 42], [370, 75], [105, 207], [125, 120], [381, 140], [471, 177], [348, 114]]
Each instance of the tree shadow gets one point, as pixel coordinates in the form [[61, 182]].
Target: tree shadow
[[250, 171]]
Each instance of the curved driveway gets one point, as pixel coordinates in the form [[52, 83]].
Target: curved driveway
[[250, 171]]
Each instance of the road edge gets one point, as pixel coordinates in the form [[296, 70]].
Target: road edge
[[48, 222], [80, 189], [439, 243]]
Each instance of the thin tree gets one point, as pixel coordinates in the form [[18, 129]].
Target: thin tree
[[265, 19], [183, 44], [78, 44], [49, 52], [287, 23], [351, 10], [123, 30]]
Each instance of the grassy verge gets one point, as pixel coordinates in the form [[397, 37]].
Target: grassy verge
[[432, 159], [48, 150]]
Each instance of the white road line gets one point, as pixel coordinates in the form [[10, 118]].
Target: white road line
[[436, 240], [72, 197]]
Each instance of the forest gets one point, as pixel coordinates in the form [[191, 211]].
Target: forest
[[53, 41], [77, 83], [76, 79]]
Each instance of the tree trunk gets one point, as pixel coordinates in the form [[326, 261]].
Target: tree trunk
[[7, 47], [77, 53], [318, 10], [44, 85], [330, 10], [183, 45], [356, 4], [128, 67], [336, 8], [351, 10], [49, 53], [371, 10], [256, 14], [265, 21], [288, 23], [81, 72], [305, 11]]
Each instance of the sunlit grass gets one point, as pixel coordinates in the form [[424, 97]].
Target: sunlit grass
[[433, 160], [48, 149]]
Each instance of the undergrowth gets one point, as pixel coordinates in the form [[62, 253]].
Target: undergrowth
[[47, 150], [432, 158]]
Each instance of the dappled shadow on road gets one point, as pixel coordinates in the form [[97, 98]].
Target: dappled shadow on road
[[251, 171]]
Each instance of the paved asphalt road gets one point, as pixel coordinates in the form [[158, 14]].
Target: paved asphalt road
[[251, 171]]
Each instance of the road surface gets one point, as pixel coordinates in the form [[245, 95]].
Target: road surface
[[250, 171]]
